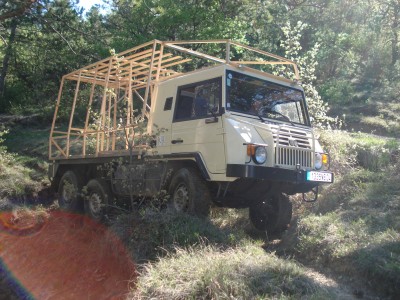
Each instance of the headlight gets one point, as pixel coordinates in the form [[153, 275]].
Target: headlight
[[321, 160], [260, 155], [318, 161]]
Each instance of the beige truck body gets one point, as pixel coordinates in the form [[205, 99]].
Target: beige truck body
[[215, 123]]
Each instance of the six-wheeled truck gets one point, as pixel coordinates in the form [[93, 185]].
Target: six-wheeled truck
[[205, 121]]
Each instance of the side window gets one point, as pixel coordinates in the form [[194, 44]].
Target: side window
[[198, 100]]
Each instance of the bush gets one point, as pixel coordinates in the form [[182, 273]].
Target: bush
[[337, 91], [353, 150]]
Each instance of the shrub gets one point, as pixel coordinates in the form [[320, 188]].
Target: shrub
[[338, 91], [353, 150]]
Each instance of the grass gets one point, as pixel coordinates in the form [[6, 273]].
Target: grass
[[21, 177], [31, 142], [245, 272], [387, 119], [183, 257], [156, 233], [356, 227], [357, 149], [375, 117]]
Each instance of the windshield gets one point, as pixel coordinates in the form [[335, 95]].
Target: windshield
[[264, 99]]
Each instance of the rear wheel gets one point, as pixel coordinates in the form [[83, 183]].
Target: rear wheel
[[97, 199], [189, 193], [273, 214], [69, 190]]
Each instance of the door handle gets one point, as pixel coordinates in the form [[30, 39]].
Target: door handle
[[178, 141]]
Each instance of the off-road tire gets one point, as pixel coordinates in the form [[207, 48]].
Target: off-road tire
[[189, 193], [69, 192], [273, 214], [97, 199]]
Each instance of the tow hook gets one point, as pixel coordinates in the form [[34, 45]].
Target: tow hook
[[314, 191]]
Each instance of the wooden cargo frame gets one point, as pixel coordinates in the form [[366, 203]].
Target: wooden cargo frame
[[134, 73]]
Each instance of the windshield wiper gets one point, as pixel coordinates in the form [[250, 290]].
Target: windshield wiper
[[261, 118]]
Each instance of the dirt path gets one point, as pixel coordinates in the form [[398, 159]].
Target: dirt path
[[338, 290]]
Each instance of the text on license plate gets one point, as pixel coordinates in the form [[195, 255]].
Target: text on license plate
[[319, 176]]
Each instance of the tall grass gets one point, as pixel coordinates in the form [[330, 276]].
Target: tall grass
[[21, 178], [356, 227], [207, 272]]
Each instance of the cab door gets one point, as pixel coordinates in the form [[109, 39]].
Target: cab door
[[197, 125]]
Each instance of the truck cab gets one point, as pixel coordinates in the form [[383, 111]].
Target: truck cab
[[226, 133]]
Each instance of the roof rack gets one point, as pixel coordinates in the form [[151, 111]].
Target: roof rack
[[155, 60]]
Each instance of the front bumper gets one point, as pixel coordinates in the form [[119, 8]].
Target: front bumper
[[270, 174]]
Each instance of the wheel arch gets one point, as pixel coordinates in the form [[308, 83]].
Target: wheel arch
[[173, 166]]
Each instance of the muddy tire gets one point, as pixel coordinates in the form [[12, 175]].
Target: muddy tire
[[97, 199], [189, 193], [272, 215], [69, 192]]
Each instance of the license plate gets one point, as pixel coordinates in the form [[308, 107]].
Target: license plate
[[319, 176]]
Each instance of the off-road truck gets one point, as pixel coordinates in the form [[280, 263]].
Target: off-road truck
[[205, 121]]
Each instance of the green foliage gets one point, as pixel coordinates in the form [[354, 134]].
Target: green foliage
[[34, 74], [142, 21], [347, 53], [5, 157], [338, 91], [306, 62]]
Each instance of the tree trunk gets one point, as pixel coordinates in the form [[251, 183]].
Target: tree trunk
[[6, 60], [395, 31]]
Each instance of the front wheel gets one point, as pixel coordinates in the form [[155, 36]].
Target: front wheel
[[97, 199], [273, 214], [189, 193]]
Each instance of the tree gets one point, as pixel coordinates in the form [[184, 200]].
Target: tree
[[306, 62], [43, 44], [10, 11], [7, 55], [388, 12], [133, 22], [15, 9]]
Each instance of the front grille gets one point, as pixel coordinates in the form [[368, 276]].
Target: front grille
[[291, 137], [293, 147], [290, 157]]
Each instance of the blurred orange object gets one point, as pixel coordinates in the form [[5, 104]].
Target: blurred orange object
[[63, 256]]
